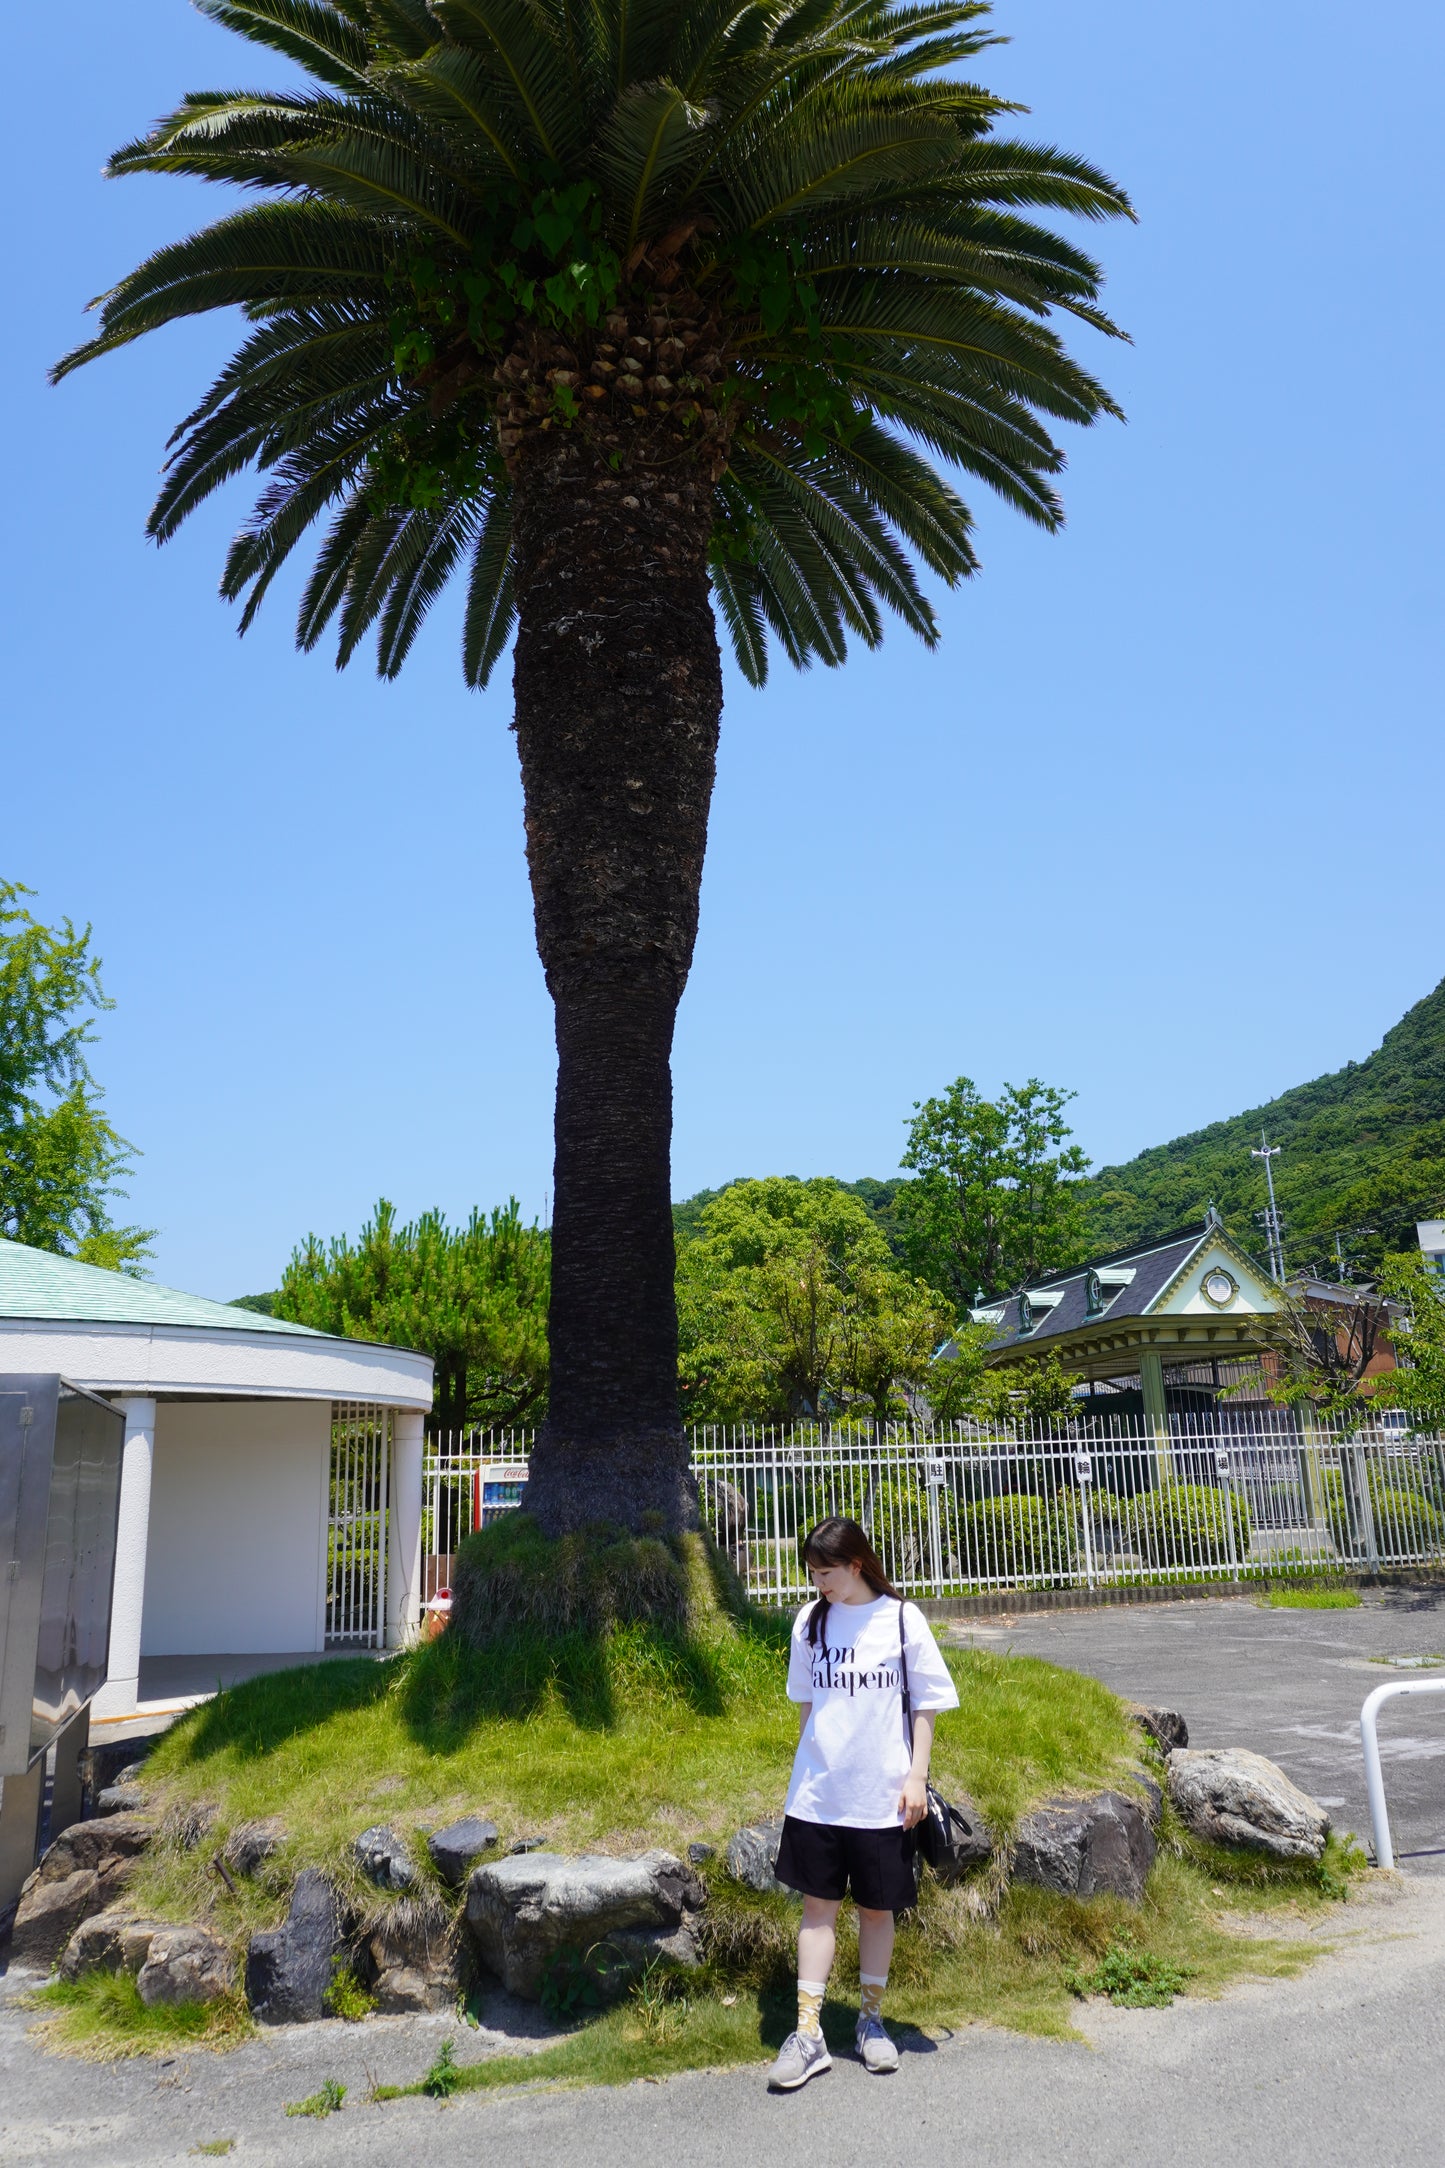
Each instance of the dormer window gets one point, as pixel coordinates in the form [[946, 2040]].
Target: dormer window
[[1026, 1315], [1094, 1296]]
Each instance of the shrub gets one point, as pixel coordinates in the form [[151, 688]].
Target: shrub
[[1018, 1535], [1182, 1524], [1405, 1521]]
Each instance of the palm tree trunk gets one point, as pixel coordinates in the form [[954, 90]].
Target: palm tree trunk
[[618, 697]]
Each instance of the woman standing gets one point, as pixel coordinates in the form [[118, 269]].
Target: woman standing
[[858, 1791]]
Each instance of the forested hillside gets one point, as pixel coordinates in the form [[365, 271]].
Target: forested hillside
[[1363, 1153]]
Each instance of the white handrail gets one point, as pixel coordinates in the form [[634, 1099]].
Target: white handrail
[[1369, 1741]]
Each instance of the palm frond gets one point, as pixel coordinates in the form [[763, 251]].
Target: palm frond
[[491, 594]]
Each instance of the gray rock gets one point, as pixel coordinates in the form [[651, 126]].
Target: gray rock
[[194, 1823], [1230, 1796], [185, 1964], [1152, 1799], [108, 1942], [699, 1854], [972, 1840], [524, 1845], [454, 1851], [82, 1873], [49, 1913], [414, 1957], [251, 1844], [289, 1969], [1166, 1727], [1086, 1847], [383, 1858], [523, 1911], [99, 1845], [120, 1798], [752, 1854]]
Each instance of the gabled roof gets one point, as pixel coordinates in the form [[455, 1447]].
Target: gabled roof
[[1153, 1269], [38, 1284]]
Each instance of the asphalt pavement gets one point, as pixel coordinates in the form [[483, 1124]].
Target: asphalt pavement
[[1289, 1684], [1340, 2068]]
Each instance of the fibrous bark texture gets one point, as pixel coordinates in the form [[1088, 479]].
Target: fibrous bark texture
[[618, 697]]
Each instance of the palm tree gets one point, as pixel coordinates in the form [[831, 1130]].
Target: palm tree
[[637, 310]]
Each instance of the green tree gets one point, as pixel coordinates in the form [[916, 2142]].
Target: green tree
[[474, 1298], [995, 1202], [631, 310], [59, 1156], [1419, 1383], [791, 1308]]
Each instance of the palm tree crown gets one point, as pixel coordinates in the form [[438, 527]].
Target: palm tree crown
[[773, 236], [650, 312]]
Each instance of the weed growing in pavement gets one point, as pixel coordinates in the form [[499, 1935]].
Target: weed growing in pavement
[[1131, 1978], [321, 2104], [445, 2075]]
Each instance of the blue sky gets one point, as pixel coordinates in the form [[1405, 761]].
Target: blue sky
[[1160, 820]]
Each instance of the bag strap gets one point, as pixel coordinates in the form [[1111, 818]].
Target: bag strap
[[903, 1682]]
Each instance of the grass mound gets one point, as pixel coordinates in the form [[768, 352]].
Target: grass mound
[[599, 1725]]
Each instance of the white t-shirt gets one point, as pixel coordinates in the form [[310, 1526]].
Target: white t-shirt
[[853, 1755]]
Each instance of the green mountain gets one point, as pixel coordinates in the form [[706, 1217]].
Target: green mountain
[[1362, 1155]]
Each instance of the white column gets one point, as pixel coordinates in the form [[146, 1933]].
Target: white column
[[121, 1690], [403, 1563]]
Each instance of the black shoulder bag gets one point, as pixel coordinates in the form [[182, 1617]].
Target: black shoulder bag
[[947, 1838]]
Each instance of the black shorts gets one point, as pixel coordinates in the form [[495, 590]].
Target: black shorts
[[875, 1865]]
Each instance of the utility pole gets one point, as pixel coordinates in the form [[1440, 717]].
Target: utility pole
[[1266, 1151]]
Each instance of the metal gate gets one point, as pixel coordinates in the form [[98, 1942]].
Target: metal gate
[[357, 1532]]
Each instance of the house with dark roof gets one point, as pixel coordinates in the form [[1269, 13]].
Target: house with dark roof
[[1160, 1326]]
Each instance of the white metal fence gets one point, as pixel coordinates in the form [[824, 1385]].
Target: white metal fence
[[356, 1532], [1257, 1493]]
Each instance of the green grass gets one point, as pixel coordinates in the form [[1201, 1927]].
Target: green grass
[[102, 2018], [635, 1740], [327, 2102], [1312, 1599], [950, 1969], [644, 1736]]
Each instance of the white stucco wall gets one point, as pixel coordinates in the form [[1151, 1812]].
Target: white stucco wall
[[237, 1551]]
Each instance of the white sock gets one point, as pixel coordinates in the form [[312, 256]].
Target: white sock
[[871, 1999]]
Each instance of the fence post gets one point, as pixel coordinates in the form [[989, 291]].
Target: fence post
[[1084, 1473], [1360, 1478], [1156, 1410], [1226, 1484], [936, 1475]]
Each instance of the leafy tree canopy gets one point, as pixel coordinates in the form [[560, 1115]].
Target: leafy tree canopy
[[790, 1306], [474, 1298], [59, 1156], [1419, 1384], [995, 1198]]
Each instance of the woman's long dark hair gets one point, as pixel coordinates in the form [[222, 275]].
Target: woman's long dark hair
[[838, 1542]]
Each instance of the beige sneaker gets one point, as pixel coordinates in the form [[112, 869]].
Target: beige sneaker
[[801, 2056]]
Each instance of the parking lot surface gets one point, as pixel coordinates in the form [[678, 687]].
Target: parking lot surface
[[1289, 1684]]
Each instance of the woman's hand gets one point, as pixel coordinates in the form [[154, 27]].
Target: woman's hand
[[915, 1800]]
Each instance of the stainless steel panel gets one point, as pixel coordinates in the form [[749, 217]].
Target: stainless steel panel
[[60, 1460]]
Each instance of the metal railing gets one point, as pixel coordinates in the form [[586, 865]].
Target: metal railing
[[1370, 1747], [1099, 1503], [357, 1525]]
